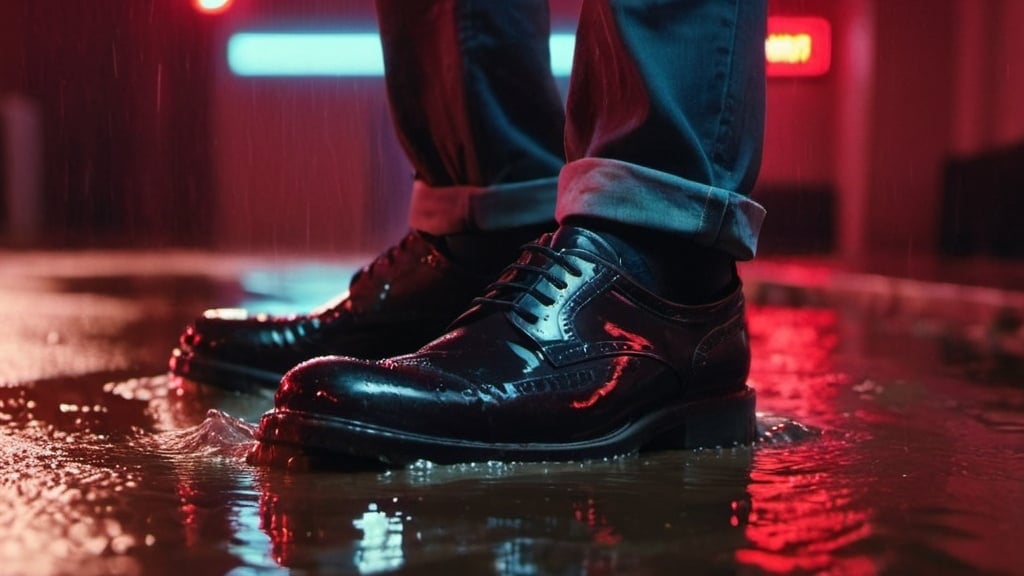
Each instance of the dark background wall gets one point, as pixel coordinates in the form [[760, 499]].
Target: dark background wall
[[123, 91], [148, 140]]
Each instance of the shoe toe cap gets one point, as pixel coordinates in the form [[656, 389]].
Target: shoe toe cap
[[353, 389]]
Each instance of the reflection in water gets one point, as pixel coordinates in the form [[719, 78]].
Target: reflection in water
[[58, 495], [57, 507], [891, 465], [94, 486], [804, 518], [513, 557], [793, 364], [380, 548], [805, 515], [596, 518]]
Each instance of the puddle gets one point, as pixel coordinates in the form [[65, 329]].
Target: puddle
[[95, 490], [883, 447]]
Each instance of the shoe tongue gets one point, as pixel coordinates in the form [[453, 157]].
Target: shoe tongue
[[608, 247], [571, 237]]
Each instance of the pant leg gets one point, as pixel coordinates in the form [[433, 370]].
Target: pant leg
[[476, 108], [666, 118]]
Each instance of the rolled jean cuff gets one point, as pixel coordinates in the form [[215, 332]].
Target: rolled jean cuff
[[454, 209], [638, 196]]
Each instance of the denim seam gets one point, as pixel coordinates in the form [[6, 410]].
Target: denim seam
[[726, 109], [704, 213]]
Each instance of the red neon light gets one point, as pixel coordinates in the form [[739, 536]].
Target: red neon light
[[212, 6], [798, 46]]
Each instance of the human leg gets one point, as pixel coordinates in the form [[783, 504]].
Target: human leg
[[667, 137], [580, 350], [477, 111]]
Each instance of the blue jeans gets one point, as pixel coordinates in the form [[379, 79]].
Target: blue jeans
[[663, 127]]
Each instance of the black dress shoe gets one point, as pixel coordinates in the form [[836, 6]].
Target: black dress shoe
[[564, 358], [401, 301]]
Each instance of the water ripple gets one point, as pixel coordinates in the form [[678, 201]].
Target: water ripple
[[220, 434]]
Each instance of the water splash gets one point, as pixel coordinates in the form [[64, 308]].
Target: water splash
[[219, 435], [775, 430]]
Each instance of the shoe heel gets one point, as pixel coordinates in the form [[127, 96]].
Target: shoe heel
[[717, 423]]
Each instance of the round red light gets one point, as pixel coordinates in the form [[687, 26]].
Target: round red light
[[212, 6]]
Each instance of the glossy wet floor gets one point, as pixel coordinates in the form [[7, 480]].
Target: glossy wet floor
[[892, 441]]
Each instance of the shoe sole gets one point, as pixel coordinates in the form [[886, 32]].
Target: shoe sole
[[713, 423], [234, 377]]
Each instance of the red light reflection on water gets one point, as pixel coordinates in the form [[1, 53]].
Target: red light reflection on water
[[804, 523], [601, 531], [793, 340], [804, 517], [278, 527], [187, 494], [793, 365]]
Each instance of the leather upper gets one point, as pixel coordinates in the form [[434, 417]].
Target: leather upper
[[400, 301], [564, 345]]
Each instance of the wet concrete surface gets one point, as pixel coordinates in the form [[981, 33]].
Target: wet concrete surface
[[892, 441]]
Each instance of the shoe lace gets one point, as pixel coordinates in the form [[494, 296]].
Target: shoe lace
[[386, 258], [505, 294]]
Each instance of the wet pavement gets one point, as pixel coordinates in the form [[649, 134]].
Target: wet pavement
[[891, 416]]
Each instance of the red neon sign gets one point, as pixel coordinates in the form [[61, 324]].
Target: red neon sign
[[798, 46]]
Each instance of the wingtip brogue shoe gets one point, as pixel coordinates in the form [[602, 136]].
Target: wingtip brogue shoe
[[402, 300], [564, 357]]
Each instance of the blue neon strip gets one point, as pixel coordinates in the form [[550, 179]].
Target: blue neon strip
[[562, 48], [336, 54]]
